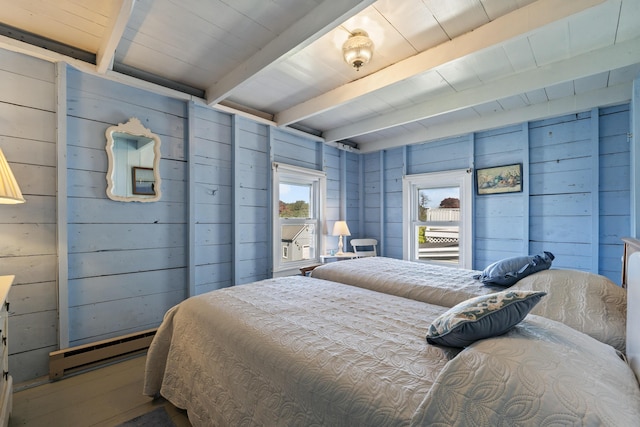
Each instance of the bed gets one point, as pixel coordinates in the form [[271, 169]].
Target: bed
[[302, 351], [588, 302], [435, 284]]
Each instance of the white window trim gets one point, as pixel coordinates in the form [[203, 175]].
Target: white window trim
[[296, 174], [459, 178]]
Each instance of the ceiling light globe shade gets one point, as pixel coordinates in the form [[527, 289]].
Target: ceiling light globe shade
[[358, 49]]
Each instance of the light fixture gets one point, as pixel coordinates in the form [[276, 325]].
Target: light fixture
[[340, 229], [10, 193], [358, 49]]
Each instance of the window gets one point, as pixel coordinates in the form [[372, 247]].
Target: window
[[438, 218], [298, 200]]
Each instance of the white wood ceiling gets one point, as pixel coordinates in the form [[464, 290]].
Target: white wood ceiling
[[440, 68]]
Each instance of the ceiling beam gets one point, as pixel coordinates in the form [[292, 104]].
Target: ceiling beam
[[514, 24], [570, 105], [121, 13], [594, 62], [323, 18]]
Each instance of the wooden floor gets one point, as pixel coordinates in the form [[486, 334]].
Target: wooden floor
[[103, 397]]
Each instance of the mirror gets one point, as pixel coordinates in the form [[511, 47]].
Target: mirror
[[133, 152]]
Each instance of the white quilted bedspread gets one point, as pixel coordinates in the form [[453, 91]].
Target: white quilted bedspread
[[299, 351], [541, 373], [296, 351], [429, 283]]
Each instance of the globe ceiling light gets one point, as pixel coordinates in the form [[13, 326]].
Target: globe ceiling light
[[358, 49]]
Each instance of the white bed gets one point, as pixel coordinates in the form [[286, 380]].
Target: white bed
[[300, 351], [587, 302], [424, 282]]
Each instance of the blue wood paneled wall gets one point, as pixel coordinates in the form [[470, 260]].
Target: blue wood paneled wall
[[127, 261], [576, 193]]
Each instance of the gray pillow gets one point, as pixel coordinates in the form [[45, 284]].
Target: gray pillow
[[508, 271], [482, 317]]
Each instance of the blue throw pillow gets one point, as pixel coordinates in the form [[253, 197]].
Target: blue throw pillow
[[482, 317], [508, 271]]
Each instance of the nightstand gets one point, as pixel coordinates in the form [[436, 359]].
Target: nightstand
[[331, 258]]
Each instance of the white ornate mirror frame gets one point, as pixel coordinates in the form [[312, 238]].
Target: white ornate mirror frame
[[133, 153]]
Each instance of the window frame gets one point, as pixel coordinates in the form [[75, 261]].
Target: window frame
[[462, 178], [285, 173]]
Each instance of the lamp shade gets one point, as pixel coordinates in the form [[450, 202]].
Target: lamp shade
[[340, 229], [10, 193]]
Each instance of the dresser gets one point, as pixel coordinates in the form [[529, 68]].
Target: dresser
[[6, 382]]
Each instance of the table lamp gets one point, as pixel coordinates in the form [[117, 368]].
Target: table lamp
[[10, 193], [340, 229]]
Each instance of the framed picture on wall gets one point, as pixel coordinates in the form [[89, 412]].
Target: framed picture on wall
[[499, 179], [143, 181]]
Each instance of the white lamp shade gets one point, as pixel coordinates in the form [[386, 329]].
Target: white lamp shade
[[10, 193], [340, 229]]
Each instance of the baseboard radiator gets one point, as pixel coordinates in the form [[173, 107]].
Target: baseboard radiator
[[87, 356]]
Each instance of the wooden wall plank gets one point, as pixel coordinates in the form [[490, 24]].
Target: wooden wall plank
[[61, 205], [33, 331], [26, 91], [118, 262], [97, 211], [98, 321], [105, 237], [87, 290], [18, 122]]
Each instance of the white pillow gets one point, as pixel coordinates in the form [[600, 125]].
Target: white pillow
[[588, 302]]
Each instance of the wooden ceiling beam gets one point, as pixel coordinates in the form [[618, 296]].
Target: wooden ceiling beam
[[517, 23], [323, 18], [594, 62], [122, 10]]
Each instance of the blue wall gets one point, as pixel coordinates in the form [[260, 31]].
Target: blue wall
[[123, 258], [576, 198], [130, 262]]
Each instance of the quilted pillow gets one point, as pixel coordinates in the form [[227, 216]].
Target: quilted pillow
[[588, 302], [508, 271], [482, 317]]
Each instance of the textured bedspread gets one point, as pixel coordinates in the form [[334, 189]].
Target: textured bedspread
[[541, 373], [296, 351], [429, 283], [300, 351]]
